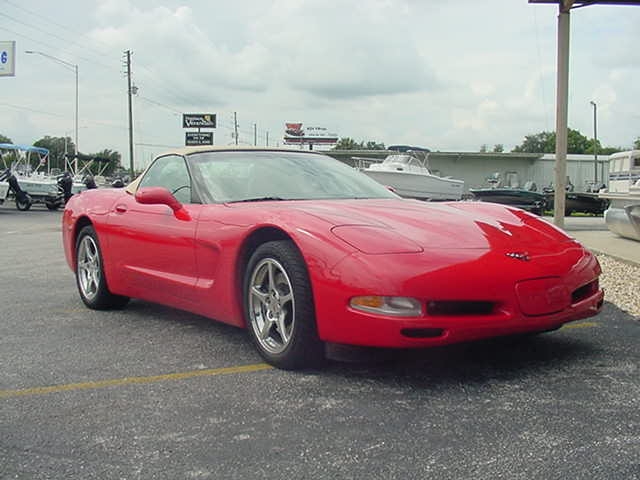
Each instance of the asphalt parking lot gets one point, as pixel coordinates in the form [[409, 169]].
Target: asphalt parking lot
[[151, 392]]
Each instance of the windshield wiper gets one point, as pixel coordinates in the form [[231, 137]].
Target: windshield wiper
[[259, 199]]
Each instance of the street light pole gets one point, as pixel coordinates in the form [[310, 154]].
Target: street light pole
[[73, 67], [595, 142]]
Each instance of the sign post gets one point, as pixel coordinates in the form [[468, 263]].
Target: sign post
[[198, 120], [198, 138], [296, 134]]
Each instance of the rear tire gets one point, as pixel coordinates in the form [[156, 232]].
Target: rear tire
[[279, 308], [90, 279]]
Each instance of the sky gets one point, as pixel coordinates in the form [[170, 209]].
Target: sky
[[447, 75]]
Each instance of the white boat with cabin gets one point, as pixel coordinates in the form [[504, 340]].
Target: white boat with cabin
[[409, 176], [623, 215]]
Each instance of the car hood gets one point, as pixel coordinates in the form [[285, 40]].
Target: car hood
[[429, 225]]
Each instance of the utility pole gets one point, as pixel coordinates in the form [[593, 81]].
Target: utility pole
[[562, 101], [255, 134], [235, 126], [129, 93], [595, 143], [267, 138]]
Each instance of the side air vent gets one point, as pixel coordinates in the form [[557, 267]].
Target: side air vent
[[584, 291]]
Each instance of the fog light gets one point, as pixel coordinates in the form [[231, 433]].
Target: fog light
[[394, 306]]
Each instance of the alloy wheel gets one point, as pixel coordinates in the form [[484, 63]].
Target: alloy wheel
[[89, 267], [271, 305]]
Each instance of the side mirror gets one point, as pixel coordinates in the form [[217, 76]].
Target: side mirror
[[161, 196]]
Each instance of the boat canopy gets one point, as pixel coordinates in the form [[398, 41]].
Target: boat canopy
[[403, 159], [24, 148]]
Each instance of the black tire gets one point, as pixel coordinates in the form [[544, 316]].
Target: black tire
[[90, 278], [277, 297], [52, 205], [24, 204]]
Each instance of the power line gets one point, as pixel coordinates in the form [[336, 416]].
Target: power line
[[24, 36], [48, 45], [32, 110], [41, 30], [48, 21], [148, 100], [171, 89]]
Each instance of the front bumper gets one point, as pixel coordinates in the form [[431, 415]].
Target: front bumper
[[561, 288]]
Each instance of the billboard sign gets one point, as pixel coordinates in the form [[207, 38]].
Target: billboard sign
[[296, 134], [198, 120], [198, 138], [7, 59]]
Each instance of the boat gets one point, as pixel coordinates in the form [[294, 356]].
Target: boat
[[588, 202], [408, 174], [509, 192], [27, 185], [623, 215]]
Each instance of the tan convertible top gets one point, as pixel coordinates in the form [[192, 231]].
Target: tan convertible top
[[133, 186]]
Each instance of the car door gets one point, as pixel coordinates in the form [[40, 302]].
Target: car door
[[153, 248]]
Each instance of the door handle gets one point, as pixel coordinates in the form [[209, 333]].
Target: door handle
[[121, 208]]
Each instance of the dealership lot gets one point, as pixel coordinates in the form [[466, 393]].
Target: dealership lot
[[151, 392]]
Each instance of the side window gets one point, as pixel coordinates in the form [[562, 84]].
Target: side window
[[171, 173]]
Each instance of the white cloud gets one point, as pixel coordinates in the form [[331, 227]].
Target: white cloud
[[447, 75]]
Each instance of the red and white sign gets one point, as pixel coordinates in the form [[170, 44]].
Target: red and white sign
[[296, 134]]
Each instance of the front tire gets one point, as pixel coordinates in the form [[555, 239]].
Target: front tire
[[90, 278], [24, 204], [279, 309]]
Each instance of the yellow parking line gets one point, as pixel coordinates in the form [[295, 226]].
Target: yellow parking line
[[581, 325], [134, 380]]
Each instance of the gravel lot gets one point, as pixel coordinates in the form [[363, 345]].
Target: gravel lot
[[621, 282]]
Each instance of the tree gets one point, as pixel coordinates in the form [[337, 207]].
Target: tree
[[484, 148], [576, 142], [111, 157], [545, 142], [498, 148], [8, 158], [347, 143], [57, 147], [374, 146], [636, 144]]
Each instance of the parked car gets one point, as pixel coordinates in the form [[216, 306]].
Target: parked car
[[303, 250]]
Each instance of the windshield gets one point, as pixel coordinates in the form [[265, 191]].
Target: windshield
[[273, 175], [401, 159]]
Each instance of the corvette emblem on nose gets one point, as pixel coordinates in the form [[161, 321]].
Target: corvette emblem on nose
[[524, 256]]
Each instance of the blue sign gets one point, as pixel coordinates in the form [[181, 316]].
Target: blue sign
[[7, 58]]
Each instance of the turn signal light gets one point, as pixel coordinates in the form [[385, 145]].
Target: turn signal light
[[394, 306]]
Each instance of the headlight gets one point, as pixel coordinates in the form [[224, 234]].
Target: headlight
[[393, 306]]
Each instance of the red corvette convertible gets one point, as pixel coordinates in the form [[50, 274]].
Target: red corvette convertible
[[304, 250]]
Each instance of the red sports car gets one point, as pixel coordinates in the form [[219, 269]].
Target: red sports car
[[304, 250]]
